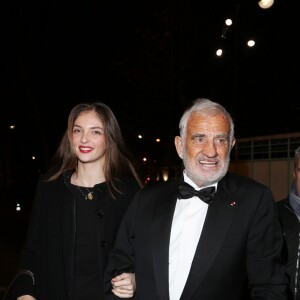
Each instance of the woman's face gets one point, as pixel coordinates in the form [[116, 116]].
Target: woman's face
[[88, 139]]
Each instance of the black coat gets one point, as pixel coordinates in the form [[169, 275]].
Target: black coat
[[238, 254], [50, 242], [291, 233]]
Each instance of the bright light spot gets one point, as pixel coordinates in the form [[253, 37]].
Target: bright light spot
[[250, 43], [12, 127], [165, 175], [18, 208], [33, 157], [228, 22], [144, 159], [264, 4], [219, 52], [157, 140], [140, 136]]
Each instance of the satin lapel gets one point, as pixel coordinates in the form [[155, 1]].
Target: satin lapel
[[217, 223], [161, 230]]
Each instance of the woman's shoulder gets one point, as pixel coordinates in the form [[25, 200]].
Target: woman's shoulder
[[44, 182]]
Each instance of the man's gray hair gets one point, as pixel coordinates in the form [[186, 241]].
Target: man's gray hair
[[205, 106], [297, 157]]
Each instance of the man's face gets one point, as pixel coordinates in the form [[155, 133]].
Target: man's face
[[205, 149]]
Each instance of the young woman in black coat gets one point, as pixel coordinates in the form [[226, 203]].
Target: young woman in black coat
[[77, 210]]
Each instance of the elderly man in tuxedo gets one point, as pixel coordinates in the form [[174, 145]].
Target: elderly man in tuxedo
[[208, 235]]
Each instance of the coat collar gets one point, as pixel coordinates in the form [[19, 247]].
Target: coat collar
[[217, 223]]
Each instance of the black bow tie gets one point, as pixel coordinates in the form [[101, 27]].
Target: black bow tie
[[186, 191]]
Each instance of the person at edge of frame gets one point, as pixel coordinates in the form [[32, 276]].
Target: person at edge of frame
[[289, 216]]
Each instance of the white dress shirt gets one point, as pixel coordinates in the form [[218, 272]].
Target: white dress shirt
[[186, 229]]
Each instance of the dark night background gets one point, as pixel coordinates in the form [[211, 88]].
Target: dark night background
[[146, 59]]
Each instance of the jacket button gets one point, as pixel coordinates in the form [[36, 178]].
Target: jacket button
[[103, 244], [100, 214]]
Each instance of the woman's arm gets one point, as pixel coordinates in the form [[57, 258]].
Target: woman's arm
[[123, 285]]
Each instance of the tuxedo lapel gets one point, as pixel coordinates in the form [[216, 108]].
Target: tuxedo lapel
[[161, 231], [217, 223]]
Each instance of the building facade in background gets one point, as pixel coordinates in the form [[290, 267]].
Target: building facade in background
[[267, 159]]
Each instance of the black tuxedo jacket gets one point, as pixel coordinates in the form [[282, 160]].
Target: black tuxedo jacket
[[238, 256]]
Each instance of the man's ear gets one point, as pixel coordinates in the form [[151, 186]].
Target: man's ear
[[233, 143], [179, 146]]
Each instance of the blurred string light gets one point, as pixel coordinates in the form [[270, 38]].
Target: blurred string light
[[265, 4], [219, 52], [18, 207], [228, 22], [251, 43]]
